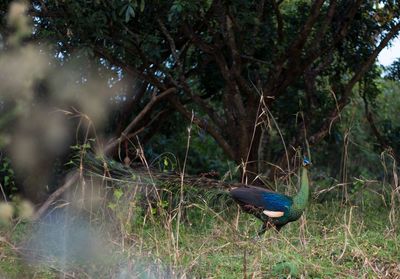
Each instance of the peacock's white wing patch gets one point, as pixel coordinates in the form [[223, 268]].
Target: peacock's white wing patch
[[273, 214]]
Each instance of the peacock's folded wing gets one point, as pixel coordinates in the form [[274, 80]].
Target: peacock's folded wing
[[262, 198]]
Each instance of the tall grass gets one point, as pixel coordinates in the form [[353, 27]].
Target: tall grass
[[136, 237]]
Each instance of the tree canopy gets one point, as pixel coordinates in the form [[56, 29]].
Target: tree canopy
[[251, 74]]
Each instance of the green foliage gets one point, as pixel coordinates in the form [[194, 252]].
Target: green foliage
[[80, 151], [128, 9], [387, 105], [285, 269], [393, 71], [188, 10], [221, 250], [12, 266], [308, 78], [7, 177], [331, 240], [137, 37], [204, 154]]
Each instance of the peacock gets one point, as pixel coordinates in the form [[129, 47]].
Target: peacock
[[272, 208]]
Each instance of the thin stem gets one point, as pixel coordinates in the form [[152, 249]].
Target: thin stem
[[4, 194], [181, 189]]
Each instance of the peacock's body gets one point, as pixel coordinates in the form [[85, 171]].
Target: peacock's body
[[272, 208]]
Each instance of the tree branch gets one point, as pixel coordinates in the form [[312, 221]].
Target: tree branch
[[279, 21], [382, 141], [300, 41], [70, 181], [371, 59], [139, 91], [147, 109], [130, 70], [283, 77], [325, 128], [172, 45], [291, 56], [230, 36], [203, 105], [202, 124]]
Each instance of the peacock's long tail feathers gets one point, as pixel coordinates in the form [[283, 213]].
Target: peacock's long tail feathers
[[168, 184]]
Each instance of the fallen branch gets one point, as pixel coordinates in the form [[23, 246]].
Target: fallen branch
[[72, 180]]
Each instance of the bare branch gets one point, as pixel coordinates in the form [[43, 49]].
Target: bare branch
[[210, 112], [371, 59], [70, 181], [382, 141], [171, 42], [202, 124], [139, 91], [147, 109], [279, 21], [278, 78], [281, 78], [300, 41], [233, 103], [236, 61], [341, 32], [189, 32], [334, 116], [328, 19], [130, 70]]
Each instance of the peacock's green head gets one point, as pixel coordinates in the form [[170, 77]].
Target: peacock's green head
[[306, 162]]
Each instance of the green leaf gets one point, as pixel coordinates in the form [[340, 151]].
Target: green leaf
[[112, 206], [130, 12], [163, 204], [86, 146], [178, 8], [142, 5], [118, 194], [285, 269]]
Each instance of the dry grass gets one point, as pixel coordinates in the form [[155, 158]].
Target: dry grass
[[131, 237]]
